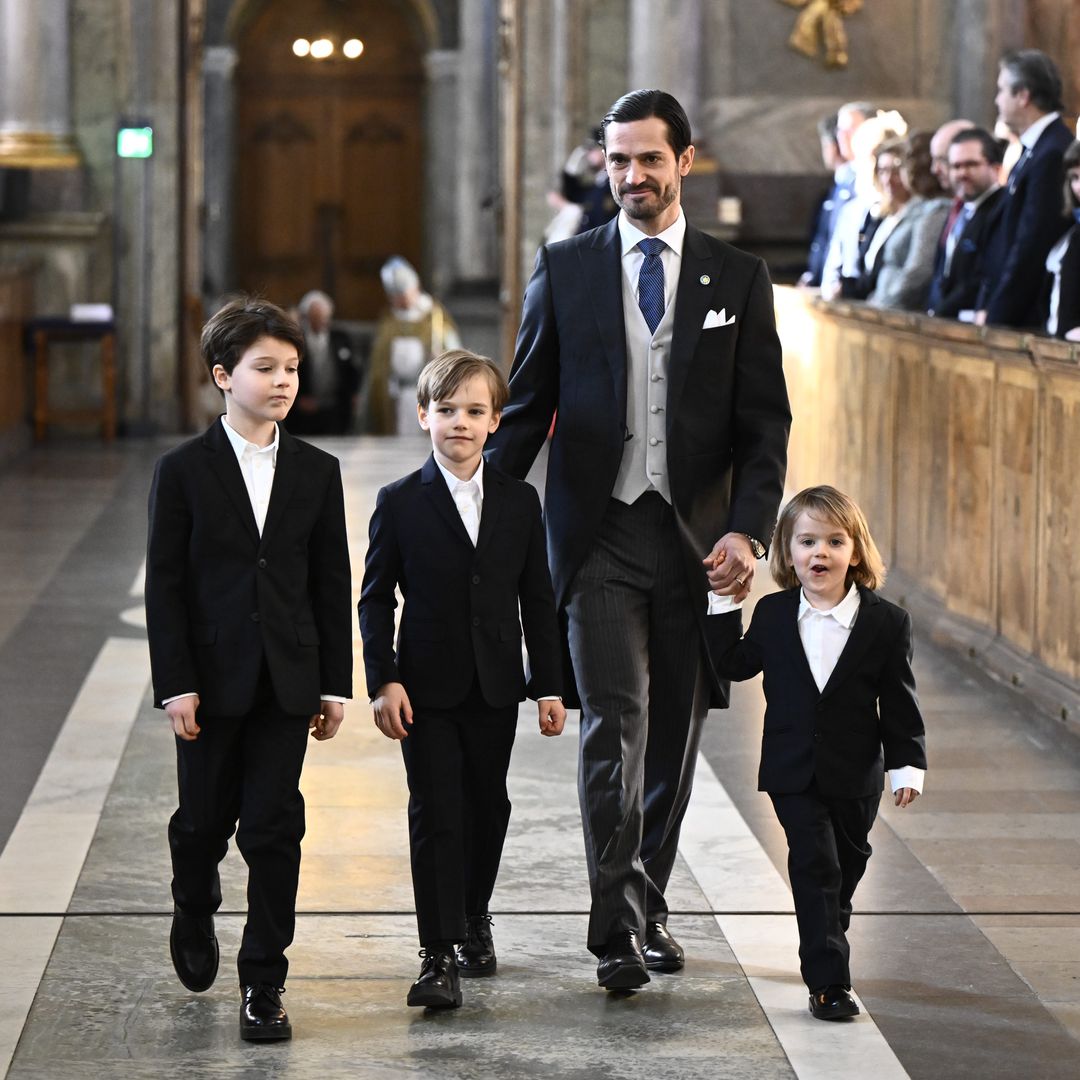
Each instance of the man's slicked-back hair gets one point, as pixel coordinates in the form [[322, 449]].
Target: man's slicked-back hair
[[1032, 70], [643, 104], [232, 330]]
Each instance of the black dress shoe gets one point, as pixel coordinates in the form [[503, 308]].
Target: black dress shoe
[[661, 951], [194, 950], [437, 986], [476, 956], [833, 1003], [262, 1016], [622, 966]]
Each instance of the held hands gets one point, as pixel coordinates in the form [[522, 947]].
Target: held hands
[[905, 796], [552, 715], [324, 724], [730, 566], [182, 714], [392, 710]]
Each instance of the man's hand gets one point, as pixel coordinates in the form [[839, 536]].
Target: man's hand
[[552, 716], [905, 796], [182, 714], [392, 710], [730, 566], [325, 723]]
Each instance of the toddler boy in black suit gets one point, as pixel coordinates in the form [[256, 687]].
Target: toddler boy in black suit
[[249, 621], [464, 542]]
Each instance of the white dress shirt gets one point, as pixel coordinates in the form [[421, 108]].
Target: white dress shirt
[[823, 634], [257, 466]]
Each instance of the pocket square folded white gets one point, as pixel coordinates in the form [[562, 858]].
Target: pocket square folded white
[[717, 318]]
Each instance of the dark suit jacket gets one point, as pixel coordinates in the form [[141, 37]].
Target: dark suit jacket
[[959, 289], [460, 614], [219, 598], [1027, 224], [866, 719], [727, 408], [347, 369]]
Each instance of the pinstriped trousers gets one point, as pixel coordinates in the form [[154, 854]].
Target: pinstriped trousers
[[639, 666]]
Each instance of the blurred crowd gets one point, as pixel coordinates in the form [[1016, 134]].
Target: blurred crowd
[[961, 222]]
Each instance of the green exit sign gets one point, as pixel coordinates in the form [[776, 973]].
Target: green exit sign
[[135, 142]]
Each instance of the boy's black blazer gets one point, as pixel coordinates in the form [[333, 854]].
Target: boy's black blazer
[[460, 614], [219, 598], [834, 737]]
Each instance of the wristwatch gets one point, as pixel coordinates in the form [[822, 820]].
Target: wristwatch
[[756, 546]]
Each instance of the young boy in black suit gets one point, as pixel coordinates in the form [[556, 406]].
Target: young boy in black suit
[[464, 542], [248, 615], [840, 709]]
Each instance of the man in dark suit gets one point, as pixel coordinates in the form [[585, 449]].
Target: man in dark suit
[[656, 345], [1030, 219], [330, 375], [249, 625], [465, 544], [974, 163]]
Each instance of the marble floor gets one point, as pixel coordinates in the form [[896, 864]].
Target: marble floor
[[965, 942]]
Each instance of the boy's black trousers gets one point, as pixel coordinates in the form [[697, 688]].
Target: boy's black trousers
[[828, 848], [243, 769], [456, 762]]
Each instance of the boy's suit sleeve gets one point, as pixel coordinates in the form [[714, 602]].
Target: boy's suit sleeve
[[330, 583], [538, 620], [167, 624], [898, 706], [736, 656], [382, 571]]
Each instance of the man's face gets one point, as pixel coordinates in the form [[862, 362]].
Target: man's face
[[939, 158], [319, 315], [970, 174], [1011, 106], [847, 120], [645, 175]]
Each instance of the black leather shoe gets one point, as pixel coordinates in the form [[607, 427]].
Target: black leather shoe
[[262, 1016], [832, 1003], [622, 966], [437, 986], [661, 951], [476, 957], [194, 950]]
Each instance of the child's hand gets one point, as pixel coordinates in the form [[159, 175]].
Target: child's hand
[[182, 714], [905, 796], [552, 717], [324, 724], [392, 708]]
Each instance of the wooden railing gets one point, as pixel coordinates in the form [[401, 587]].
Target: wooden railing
[[963, 447]]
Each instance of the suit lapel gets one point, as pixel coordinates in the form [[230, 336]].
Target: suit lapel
[[863, 632], [226, 468], [601, 264], [285, 474], [692, 302], [795, 645], [493, 503], [437, 491]]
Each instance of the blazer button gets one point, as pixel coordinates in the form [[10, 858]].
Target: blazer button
[[254, 616], [817, 736], [476, 579], [262, 564], [476, 620]]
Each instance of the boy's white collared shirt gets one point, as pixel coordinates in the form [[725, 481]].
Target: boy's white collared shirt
[[468, 496], [257, 466], [823, 634]]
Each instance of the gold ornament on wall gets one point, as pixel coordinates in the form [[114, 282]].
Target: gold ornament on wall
[[821, 25]]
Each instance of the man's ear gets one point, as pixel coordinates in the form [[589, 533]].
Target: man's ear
[[686, 160]]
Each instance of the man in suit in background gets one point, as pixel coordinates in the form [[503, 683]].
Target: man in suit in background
[[1030, 218], [656, 345], [330, 375], [974, 159]]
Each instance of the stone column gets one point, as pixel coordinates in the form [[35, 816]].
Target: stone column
[[219, 63], [441, 171], [35, 85], [666, 42]]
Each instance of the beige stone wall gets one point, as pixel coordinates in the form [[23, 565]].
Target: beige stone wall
[[962, 447]]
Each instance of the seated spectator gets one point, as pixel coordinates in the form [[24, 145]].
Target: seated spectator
[[900, 257], [841, 190], [939, 162], [415, 329], [1063, 262], [329, 373], [974, 159], [1029, 222]]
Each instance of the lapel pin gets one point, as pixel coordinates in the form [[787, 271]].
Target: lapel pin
[[704, 279]]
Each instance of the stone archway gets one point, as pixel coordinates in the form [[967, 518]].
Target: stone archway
[[328, 152]]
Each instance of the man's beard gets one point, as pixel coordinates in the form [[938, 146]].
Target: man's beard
[[644, 210]]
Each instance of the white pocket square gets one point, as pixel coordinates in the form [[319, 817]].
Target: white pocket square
[[717, 318]]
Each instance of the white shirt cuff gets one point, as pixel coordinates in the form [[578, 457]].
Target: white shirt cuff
[[907, 776], [720, 604], [549, 697], [178, 697], [331, 697]]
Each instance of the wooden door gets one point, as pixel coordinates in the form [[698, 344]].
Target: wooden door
[[328, 152]]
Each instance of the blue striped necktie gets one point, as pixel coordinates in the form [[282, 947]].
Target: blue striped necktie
[[650, 295]]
